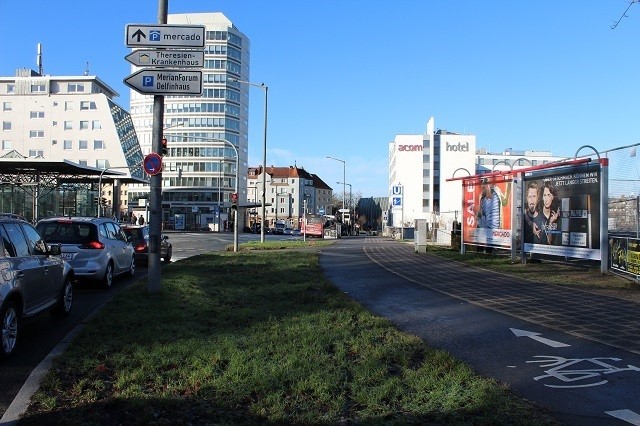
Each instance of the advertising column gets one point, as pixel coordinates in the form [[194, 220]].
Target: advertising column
[[487, 211]]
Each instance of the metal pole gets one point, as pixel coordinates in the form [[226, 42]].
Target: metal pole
[[235, 219], [264, 162], [155, 190]]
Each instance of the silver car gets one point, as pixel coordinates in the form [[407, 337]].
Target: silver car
[[96, 247], [33, 278]]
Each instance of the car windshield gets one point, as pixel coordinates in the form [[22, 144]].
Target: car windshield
[[135, 233], [67, 232]]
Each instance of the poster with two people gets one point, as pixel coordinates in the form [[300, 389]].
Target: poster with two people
[[561, 212]]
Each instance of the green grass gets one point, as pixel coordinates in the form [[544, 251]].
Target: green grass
[[259, 337]]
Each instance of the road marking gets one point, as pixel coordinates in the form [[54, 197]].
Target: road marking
[[625, 415], [593, 370], [536, 336]]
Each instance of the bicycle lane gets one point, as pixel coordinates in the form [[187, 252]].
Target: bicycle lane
[[530, 336]]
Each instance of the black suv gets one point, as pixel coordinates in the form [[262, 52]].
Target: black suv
[[33, 278]]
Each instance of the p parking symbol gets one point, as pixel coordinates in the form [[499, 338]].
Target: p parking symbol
[[147, 81]]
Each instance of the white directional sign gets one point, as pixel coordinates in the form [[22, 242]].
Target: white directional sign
[[159, 35], [166, 82], [166, 58]]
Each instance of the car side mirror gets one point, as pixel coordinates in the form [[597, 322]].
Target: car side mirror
[[55, 250]]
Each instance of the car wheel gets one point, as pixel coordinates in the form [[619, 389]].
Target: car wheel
[[9, 329], [132, 268], [63, 307], [107, 280], [167, 258]]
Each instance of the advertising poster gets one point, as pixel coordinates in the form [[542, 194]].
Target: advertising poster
[[561, 214], [487, 211], [624, 255]]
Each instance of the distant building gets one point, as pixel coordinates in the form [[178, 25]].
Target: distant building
[[511, 159], [289, 190], [199, 172], [419, 166], [72, 118]]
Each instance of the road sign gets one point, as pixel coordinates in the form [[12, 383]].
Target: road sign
[[184, 36], [343, 210], [396, 190], [321, 210], [152, 164], [166, 58], [397, 201], [166, 82]]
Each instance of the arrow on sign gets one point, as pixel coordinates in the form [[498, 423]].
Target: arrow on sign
[[138, 34], [536, 336]]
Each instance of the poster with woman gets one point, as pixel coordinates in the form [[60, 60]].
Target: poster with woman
[[487, 211], [561, 213]]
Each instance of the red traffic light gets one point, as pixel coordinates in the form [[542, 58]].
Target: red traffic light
[[234, 198], [164, 146]]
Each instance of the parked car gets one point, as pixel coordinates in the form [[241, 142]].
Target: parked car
[[288, 231], [34, 278], [140, 238], [295, 232], [96, 247]]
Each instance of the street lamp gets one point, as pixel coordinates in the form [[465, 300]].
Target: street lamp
[[235, 149], [345, 195], [344, 179], [264, 149]]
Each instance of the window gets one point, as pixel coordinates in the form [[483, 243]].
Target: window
[[102, 164], [34, 240], [36, 114], [82, 162], [86, 105], [6, 125], [95, 124], [6, 106], [68, 144], [6, 145], [36, 133], [68, 106], [17, 242], [76, 87], [68, 125], [11, 88], [84, 125], [98, 144], [36, 153], [38, 88], [83, 144]]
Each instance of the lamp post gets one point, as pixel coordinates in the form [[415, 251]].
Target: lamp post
[[235, 219], [264, 150], [344, 179]]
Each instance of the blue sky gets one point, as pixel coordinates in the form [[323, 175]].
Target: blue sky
[[345, 77]]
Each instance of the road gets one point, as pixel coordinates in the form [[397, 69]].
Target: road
[[540, 340]]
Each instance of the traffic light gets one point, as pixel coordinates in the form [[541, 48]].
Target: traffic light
[[164, 146], [104, 201], [234, 199]]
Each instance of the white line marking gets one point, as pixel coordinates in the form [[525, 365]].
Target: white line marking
[[626, 415], [536, 336]]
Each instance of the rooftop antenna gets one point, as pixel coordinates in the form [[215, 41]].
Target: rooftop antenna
[[39, 59], [86, 69]]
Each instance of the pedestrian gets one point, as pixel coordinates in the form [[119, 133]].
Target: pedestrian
[[133, 218], [140, 220]]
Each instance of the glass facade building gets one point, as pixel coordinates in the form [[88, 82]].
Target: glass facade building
[[203, 132]]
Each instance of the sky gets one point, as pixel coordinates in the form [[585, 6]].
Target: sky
[[346, 76]]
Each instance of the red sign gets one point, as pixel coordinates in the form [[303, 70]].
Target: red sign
[[152, 164]]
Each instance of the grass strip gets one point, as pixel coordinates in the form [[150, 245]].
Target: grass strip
[[259, 337]]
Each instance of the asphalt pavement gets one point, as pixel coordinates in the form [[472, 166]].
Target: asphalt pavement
[[573, 352]]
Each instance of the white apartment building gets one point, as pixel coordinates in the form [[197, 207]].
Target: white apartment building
[[72, 118], [289, 190], [419, 166], [199, 172]]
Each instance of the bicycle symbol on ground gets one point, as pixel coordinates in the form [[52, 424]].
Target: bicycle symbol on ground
[[577, 372]]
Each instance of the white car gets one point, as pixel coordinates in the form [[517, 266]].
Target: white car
[[96, 247]]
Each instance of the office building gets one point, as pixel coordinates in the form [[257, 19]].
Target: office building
[[203, 132], [419, 166], [74, 118]]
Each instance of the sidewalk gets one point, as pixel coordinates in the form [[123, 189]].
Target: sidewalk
[[602, 318]]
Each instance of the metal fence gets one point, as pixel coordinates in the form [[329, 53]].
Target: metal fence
[[624, 189]]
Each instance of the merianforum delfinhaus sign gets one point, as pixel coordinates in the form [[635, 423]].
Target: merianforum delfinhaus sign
[[166, 82]]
